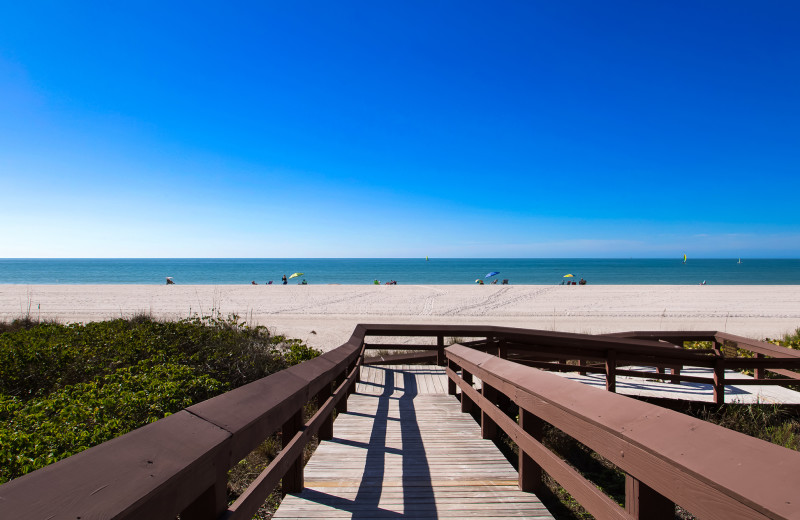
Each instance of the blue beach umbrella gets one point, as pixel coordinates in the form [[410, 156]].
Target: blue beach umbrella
[[493, 273]]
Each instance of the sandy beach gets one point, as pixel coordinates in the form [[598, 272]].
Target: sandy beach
[[324, 315]]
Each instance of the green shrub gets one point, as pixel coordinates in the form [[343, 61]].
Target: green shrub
[[64, 388]]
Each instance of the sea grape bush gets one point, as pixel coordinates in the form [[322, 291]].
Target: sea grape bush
[[65, 388]]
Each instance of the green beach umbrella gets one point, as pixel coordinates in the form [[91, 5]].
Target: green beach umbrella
[[295, 275], [567, 276]]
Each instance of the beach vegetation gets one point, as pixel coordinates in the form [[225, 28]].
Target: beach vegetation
[[65, 388]]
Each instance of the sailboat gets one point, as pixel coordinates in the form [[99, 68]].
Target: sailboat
[[426, 258], [684, 258], [740, 261]]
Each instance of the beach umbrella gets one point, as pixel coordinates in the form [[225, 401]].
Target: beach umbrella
[[567, 276], [493, 273], [295, 275]]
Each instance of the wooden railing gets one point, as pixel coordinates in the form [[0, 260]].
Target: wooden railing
[[605, 353], [668, 458], [179, 465]]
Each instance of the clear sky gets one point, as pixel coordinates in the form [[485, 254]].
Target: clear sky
[[400, 129]]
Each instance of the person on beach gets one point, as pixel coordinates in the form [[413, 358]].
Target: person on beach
[[285, 281], [253, 283]]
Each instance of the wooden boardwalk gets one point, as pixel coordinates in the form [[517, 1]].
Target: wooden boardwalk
[[405, 450], [697, 392]]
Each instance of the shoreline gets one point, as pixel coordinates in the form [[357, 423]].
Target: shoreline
[[324, 315]]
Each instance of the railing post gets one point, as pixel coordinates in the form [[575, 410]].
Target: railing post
[[440, 359], [676, 372], [341, 407], [644, 503], [530, 473], [451, 384], [292, 481], [759, 371], [611, 371], [582, 363], [488, 426], [211, 503], [719, 380], [352, 388], [466, 402], [326, 428], [502, 348], [360, 362]]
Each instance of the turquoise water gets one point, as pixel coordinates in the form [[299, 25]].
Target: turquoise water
[[404, 271]]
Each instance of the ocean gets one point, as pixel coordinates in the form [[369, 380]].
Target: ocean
[[415, 271]]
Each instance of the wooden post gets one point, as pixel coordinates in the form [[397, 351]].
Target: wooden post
[[466, 402], [359, 362], [211, 503], [292, 481], [326, 428], [644, 503], [719, 381], [582, 363], [451, 384], [759, 371], [440, 357], [611, 371], [502, 348], [352, 388], [488, 426], [676, 372], [342, 406], [530, 473]]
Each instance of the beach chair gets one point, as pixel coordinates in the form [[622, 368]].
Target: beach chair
[[505, 282]]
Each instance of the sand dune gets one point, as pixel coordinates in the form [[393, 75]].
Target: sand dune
[[324, 315]]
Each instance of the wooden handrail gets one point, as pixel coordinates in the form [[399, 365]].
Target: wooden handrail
[[179, 464], [660, 349], [708, 470]]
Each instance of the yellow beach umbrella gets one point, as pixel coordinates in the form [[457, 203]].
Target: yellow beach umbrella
[[295, 275], [567, 276]]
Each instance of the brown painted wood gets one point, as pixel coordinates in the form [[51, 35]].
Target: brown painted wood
[[643, 503], [611, 371], [530, 472], [586, 493], [719, 381], [326, 428], [293, 478], [711, 471], [153, 472], [488, 426]]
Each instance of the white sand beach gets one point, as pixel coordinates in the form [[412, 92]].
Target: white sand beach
[[324, 315]]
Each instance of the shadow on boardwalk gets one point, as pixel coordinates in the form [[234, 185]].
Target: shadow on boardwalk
[[406, 453]]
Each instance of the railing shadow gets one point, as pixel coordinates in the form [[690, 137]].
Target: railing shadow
[[415, 482]]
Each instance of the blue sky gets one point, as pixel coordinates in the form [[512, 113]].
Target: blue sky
[[377, 129]]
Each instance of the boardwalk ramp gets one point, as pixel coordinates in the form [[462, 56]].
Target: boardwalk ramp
[[405, 450]]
